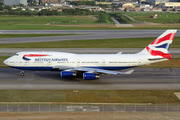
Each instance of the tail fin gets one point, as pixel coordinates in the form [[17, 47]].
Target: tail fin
[[160, 46]]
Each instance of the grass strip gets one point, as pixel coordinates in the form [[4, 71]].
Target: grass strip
[[95, 96], [102, 43], [173, 63], [88, 27], [30, 35], [162, 17], [2, 58], [14, 22]]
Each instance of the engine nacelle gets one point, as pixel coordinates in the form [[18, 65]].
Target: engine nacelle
[[67, 74], [90, 76]]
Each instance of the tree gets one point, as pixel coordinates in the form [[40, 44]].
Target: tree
[[1, 8], [45, 12], [27, 13], [34, 3], [1, 3], [83, 3], [7, 7], [36, 8], [21, 5], [54, 12], [29, 1]]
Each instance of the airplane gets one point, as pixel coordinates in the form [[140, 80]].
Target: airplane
[[91, 66]]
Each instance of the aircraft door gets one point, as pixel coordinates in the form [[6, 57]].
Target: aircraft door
[[49, 63], [103, 62], [26, 63], [78, 62], [139, 62]]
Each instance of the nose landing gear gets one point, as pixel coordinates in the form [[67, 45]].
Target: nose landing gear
[[22, 73]]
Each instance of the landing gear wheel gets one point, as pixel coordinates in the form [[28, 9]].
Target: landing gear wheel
[[22, 73]]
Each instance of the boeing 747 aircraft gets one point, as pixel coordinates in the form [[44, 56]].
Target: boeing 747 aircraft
[[90, 66]]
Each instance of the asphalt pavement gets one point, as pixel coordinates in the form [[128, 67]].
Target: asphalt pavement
[[88, 35], [140, 79]]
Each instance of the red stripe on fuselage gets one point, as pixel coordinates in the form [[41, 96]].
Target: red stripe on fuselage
[[35, 55]]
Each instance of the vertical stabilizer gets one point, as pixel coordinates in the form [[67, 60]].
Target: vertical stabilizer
[[160, 46]]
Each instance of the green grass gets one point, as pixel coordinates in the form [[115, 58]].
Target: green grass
[[163, 17], [46, 27], [106, 43], [30, 35], [11, 22], [40, 20], [96, 27], [95, 96]]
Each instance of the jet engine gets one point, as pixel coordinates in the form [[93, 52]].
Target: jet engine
[[90, 76], [67, 74]]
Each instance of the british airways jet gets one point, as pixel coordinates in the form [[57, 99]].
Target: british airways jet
[[90, 66]]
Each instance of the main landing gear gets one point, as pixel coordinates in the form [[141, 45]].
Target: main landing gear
[[22, 73]]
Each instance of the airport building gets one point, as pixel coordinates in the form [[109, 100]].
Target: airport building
[[169, 4], [47, 1], [15, 2], [124, 1], [154, 2]]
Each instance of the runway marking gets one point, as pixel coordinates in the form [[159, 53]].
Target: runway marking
[[95, 107], [91, 110], [70, 110], [74, 107]]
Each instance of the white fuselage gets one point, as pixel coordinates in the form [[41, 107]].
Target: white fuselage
[[90, 66], [51, 60]]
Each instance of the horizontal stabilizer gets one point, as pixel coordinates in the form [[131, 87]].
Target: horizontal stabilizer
[[151, 59], [129, 72], [119, 53]]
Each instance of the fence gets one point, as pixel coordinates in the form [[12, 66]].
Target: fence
[[88, 107]]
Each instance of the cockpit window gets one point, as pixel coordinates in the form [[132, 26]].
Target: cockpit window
[[16, 54]]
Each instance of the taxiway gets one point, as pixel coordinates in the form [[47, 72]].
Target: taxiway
[[87, 35], [140, 79]]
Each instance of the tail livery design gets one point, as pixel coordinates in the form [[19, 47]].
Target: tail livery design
[[160, 46]]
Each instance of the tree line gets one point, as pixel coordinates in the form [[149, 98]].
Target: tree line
[[76, 11], [92, 3], [103, 17]]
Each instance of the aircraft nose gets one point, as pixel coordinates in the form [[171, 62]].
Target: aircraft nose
[[5, 62]]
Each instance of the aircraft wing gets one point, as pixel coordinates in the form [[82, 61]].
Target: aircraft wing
[[93, 70]]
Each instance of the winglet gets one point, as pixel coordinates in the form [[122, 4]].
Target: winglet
[[129, 72]]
